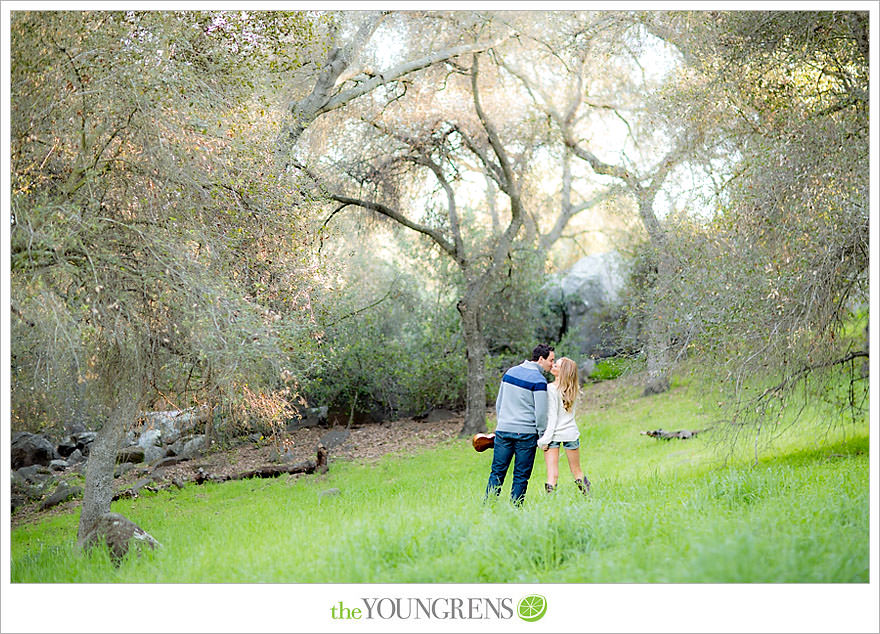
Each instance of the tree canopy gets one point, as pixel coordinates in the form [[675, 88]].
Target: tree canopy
[[261, 210]]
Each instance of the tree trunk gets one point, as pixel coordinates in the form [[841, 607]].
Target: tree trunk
[[657, 353], [98, 491], [476, 351], [657, 345], [209, 427]]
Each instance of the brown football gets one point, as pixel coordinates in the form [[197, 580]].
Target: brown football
[[482, 442]]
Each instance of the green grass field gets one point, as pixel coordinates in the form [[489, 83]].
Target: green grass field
[[661, 511]]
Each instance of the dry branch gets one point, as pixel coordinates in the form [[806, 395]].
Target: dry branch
[[683, 434], [318, 465]]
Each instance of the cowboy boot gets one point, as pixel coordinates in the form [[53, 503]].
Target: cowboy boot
[[584, 485]]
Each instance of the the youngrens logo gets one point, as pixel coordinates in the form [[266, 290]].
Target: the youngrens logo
[[532, 607], [529, 608]]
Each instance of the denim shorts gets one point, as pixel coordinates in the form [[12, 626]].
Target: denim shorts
[[566, 444]]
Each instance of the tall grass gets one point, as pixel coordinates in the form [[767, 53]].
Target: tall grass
[[661, 511]]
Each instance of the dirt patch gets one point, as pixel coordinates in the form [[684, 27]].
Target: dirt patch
[[365, 444]]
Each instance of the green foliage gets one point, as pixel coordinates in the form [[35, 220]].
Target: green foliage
[[399, 356], [607, 369], [768, 284], [497, 365], [149, 223], [516, 303], [641, 278], [436, 375], [660, 512], [391, 342], [515, 306]]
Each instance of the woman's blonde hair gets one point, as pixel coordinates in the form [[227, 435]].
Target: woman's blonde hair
[[569, 385]]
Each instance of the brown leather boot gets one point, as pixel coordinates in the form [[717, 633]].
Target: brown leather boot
[[584, 485]]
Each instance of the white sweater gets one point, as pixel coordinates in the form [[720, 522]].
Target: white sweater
[[560, 423]]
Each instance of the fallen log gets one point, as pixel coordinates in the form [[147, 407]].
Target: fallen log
[[134, 490], [683, 434], [318, 465], [273, 471]]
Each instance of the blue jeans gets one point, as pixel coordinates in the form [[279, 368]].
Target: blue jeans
[[509, 445]]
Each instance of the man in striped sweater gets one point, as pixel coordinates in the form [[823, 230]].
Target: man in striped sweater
[[521, 409]]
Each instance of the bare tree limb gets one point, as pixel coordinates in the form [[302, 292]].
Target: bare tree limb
[[548, 239], [395, 215], [806, 370], [364, 308], [326, 222], [502, 246], [400, 70], [306, 110], [598, 166], [422, 157], [494, 139], [493, 170], [452, 211], [322, 99]]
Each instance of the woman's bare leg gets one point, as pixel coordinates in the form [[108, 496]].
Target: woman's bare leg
[[551, 457], [574, 463]]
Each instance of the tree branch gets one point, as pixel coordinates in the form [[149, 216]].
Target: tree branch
[[669, 161], [365, 308], [509, 186], [325, 223], [493, 170], [494, 139], [806, 370], [568, 212], [395, 215], [566, 127], [307, 109], [599, 167], [400, 70], [454, 226], [321, 100], [424, 159]]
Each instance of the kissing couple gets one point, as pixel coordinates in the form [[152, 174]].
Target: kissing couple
[[533, 413]]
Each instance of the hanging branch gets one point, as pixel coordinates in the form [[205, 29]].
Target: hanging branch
[[365, 308], [395, 215]]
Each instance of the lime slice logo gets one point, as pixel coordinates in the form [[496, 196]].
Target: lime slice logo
[[532, 608]]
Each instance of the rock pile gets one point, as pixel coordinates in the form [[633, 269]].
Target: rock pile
[[50, 473], [39, 466]]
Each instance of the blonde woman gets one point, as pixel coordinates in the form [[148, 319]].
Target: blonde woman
[[561, 427]]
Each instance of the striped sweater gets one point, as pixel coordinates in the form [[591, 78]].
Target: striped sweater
[[521, 405]]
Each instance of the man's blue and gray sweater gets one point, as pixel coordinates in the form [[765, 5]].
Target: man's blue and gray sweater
[[521, 405]]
